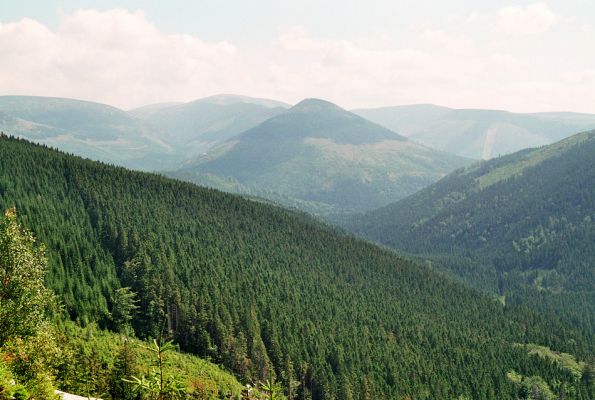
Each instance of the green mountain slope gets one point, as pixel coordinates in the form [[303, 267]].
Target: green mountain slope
[[267, 292], [92, 130], [521, 220], [193, 128], [478, 133], [318, 152]]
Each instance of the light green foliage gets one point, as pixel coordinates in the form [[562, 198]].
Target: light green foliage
[[124, 305], [35, 360], [272, 390], [153, 388], [566, 360], [95, 362], [10, 389], [531, 388], [156, 385], [125, 367], [27, 340], [23, 296]]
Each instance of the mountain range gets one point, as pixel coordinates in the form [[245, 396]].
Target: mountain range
[[475, 133], [195, 127], [92, 130], [325, 157], [313, 156]]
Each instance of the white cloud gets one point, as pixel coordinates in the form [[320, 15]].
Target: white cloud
[[119, 57], [531, 19], [582, 76]]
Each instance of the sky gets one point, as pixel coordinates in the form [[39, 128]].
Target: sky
[[522, 56]]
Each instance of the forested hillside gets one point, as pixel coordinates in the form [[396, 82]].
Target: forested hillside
[[272, 294], [520, 226]]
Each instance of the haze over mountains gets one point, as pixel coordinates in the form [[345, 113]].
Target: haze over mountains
[[193, 128], [327, 157], [155, 137], [478, 134], [93, 130], [314, 156]]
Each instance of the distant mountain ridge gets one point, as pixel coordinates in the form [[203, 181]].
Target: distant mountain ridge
[[476, 133], [314, 156], [195, 127], [154, 137], [319, 152], [92, 130]]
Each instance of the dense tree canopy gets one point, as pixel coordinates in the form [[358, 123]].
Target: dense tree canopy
[[521, 226], [268, 293]]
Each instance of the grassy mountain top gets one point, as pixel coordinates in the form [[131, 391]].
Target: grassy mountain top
[[530, 158], [228, 99], [68, 114], [88, 129]]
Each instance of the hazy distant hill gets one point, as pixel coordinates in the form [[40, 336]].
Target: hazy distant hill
[[317, 152], [524, 219], [192, 128], [478, 133], [154, 137], [93, 130]]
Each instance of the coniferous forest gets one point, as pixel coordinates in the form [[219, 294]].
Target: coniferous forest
[[273, 295], [519, 226]]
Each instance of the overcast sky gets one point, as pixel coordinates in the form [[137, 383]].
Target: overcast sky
[[518, 55]]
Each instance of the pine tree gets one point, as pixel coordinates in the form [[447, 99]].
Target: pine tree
[[124, 368]]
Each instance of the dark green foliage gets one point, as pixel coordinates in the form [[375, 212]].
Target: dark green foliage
[[124, 368], [520, 226], [270, 294]]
